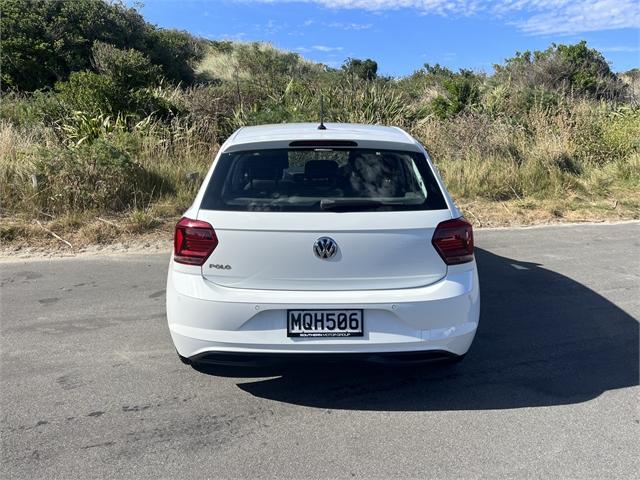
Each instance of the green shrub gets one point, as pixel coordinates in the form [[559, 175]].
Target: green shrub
[[462, 92], [602, 135], [151, 101], [129, 69], [517, 101], [176, 51], [361, 69], [266, 69], [31, 110], [95, 176], [45, 41], [574, 69], [81, 128], [93, 93], [101, 94]]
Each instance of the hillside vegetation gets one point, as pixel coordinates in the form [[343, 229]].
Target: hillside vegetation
[[108, 123]]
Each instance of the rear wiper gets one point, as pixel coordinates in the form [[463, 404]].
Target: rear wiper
[[352, 203]]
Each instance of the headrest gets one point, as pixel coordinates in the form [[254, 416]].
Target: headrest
[[374, 164], [317, 169], [266, 167]]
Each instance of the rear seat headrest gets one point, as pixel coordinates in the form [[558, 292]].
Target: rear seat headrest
[[317, 169], [265, 167]]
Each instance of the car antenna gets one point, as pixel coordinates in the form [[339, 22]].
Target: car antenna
[[321, 126]]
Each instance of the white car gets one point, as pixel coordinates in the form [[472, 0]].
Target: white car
[[304, 240]]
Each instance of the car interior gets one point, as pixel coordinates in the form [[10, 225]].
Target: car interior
[[282, 173]]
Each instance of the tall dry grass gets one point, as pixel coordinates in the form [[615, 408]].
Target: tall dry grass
[[145, 171], [587, 150]]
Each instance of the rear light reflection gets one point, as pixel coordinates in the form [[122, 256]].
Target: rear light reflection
[[193, 242], [453, 240]]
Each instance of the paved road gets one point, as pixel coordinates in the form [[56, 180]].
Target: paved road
[[91, 387]]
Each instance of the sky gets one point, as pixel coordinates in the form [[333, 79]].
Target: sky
[[402, 35]]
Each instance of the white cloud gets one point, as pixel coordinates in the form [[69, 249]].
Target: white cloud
[[349, 25], [324, 48], [435, 6], [319, 48], [619, 48], [582, 16], [536, 17], [270, 27], [339, 25]]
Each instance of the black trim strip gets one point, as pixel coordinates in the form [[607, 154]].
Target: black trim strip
[[267, 358], [323, 143]]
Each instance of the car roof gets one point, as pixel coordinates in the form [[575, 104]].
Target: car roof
[[279, 135]]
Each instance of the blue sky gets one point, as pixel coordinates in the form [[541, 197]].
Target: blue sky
[[402, 35]]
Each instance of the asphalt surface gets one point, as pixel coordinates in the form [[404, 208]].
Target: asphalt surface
[[91, 386]]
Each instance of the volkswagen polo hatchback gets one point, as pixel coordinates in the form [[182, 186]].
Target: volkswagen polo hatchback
[[322, 241]]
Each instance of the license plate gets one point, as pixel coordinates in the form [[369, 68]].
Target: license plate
[[324, 323]]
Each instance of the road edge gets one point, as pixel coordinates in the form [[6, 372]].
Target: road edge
[[164, 246]]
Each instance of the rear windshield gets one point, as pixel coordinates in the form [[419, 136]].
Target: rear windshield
[[315, 180]]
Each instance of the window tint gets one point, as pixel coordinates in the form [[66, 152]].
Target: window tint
[[312, 180]]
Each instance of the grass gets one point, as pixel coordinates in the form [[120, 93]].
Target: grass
[[102, 179]]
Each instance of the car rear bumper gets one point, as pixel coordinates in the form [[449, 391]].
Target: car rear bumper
[[205, 318]]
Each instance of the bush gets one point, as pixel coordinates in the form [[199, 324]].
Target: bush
[[462, 93], [27, 62], [602, 135], [129, 69], [362, 69], [93, 93], [268, 69], [428, 78], [176, 52], [34, 54], [95, 176], [96, 94], [80, 128], [35, 110], [45, 41], [574, 69]]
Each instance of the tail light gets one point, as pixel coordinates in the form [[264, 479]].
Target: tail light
[[193, 241], [453, 239]]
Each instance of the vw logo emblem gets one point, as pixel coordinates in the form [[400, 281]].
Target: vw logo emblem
[[325, 248]]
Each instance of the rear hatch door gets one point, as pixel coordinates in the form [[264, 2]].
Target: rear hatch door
[[275, 250]]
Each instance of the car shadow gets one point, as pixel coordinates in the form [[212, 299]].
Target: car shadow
[[543, 339]]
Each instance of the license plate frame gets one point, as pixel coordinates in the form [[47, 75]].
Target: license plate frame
[[308, 330]]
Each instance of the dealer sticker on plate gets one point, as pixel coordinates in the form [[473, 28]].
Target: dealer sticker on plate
[[324, 323]]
